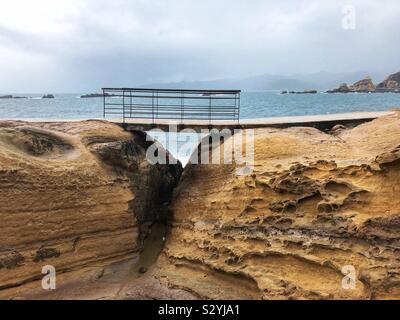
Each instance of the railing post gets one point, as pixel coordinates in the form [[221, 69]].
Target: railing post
[[130, 104], [123, 106], [209, 109], [238, 109], [152, 107], [104, 104], [182, 106]]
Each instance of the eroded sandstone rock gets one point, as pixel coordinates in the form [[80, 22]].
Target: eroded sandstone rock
[[75, 196], [314, 205]]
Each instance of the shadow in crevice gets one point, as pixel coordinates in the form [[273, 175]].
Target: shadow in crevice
[[152, 246]]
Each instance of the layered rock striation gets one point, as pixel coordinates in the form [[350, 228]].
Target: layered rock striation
[[317, 209], [74, 195], [317, 217]]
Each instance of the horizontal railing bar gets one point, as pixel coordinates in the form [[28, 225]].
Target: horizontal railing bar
[[177, 117], [176, 107], [170, 90], [166, 94], [172, 97], [178, 113], [142, 105], [199, 116], [204, 110], [180, 118], [176, 110]]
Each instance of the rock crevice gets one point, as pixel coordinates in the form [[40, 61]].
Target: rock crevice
[[314, 205], [74, 195]]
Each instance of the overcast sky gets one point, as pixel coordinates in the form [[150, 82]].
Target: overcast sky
[[82, 45]]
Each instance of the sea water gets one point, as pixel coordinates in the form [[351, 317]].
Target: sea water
[[253, 105]]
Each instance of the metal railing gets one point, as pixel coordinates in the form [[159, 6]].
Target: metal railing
[[171, 104]]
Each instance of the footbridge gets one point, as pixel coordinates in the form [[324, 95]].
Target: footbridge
[[148, 108]]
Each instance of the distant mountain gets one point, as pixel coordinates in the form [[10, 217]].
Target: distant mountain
[[262, 82], [318, 81]]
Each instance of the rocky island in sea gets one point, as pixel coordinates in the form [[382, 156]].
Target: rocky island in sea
[[366, 85], [300, 92], [390, 84], [10, 96], [97, 95]]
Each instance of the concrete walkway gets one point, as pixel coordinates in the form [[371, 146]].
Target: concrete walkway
[[322, 122]]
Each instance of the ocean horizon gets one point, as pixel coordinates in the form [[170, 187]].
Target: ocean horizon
[[254, 104]]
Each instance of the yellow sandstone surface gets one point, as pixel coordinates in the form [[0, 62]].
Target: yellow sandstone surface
[[315, 205], [72, 195]]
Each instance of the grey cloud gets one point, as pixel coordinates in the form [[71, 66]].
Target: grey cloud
[[136, 42]]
